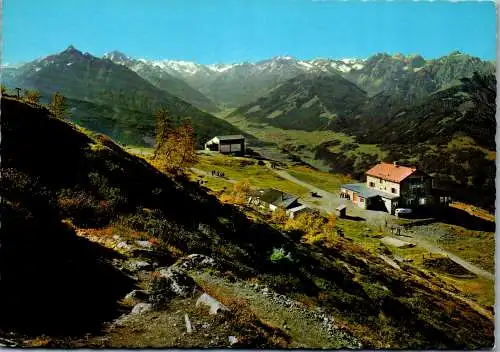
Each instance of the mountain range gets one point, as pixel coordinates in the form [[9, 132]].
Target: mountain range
[[110, 98], [233, 85]]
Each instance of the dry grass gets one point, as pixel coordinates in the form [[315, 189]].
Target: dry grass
[[480, 290], [474, 211], [324, 180], [477, 247]]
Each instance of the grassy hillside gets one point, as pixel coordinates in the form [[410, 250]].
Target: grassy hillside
[[136, 127], [84, 184], [306, 102]]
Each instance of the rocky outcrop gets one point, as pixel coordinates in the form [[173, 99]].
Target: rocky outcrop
[[178, 281], [196, 261]]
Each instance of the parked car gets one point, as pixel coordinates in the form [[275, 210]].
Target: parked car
[[402, 212]]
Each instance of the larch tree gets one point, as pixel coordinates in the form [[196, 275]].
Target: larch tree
[[164, 126], [32, 96], [176, 148], [58, 106]]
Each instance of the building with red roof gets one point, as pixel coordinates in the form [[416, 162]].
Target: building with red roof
[[389, 186]]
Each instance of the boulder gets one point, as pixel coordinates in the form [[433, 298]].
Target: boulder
[[123, 245], [214, 305], [137, 294], [195, 261], [178, 281], [135, 265], [144, 244], [232, 340], [396, 243], [141, 308]]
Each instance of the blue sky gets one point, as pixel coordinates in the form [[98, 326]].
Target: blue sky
[[210, 31]]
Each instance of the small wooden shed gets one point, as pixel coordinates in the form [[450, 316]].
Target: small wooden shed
[[340, 211]]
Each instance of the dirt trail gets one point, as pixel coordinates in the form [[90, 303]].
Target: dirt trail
[[418, 240]]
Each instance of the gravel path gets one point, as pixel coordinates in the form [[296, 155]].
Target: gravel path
[[309, 328]]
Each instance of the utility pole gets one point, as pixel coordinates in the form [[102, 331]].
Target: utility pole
[[18, 93]]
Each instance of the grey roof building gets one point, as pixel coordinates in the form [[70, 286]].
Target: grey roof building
[[230, 144], [275, 198]]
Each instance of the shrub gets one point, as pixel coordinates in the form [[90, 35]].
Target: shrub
[[21, 187], [111, 194], [279, 216], [83, 208], [279, 255]]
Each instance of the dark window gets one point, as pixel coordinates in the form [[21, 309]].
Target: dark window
[[393, 190], [361, 200], [372, 184]]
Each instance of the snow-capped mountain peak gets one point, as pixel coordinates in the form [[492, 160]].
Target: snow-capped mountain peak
[[283, 64], [185, 67], [117, 56], [221, 67]]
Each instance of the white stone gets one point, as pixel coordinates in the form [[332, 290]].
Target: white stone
[[189, 326], [214, 305], [144, 244], [123, 245], [396, 243], [232, 340], [138, 265], [141, 308]]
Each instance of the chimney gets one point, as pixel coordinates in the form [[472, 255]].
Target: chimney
[[395, 163]]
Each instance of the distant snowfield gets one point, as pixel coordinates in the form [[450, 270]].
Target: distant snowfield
[[190, 68]]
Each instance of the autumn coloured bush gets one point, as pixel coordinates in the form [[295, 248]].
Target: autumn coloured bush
[[238, 195], [83, 208], [279, 216]]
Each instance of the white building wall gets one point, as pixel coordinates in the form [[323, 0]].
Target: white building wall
[[383, 185]]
